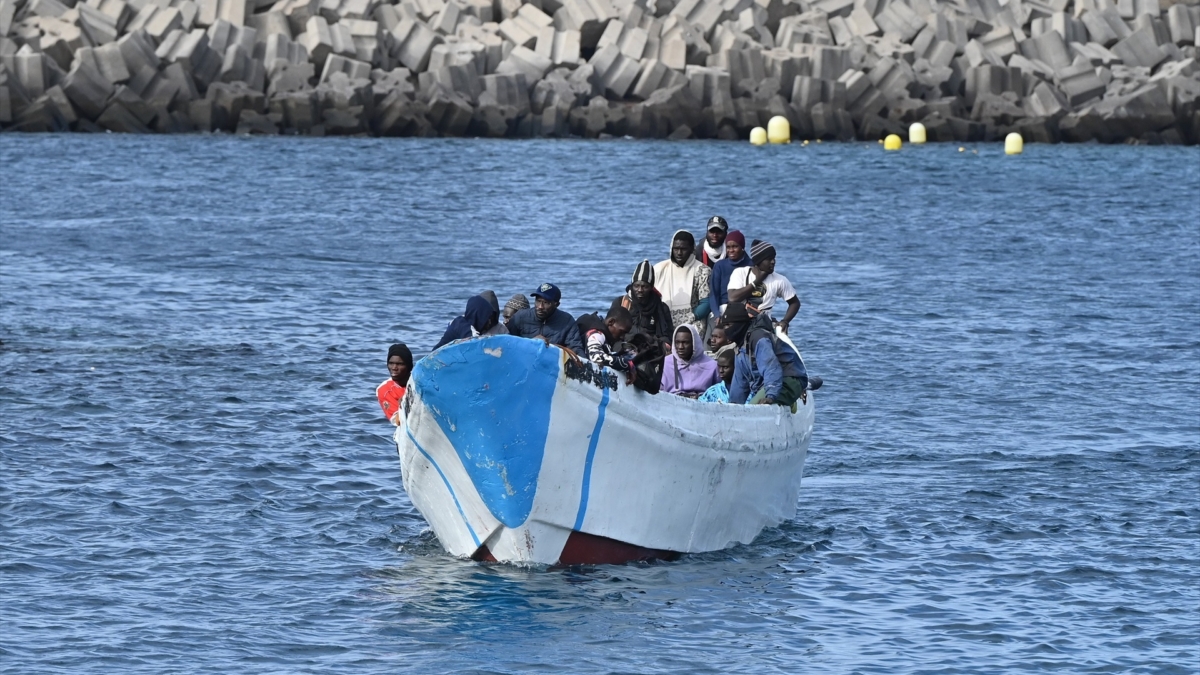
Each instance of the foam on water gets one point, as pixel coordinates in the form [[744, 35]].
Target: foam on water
[[195, 476]]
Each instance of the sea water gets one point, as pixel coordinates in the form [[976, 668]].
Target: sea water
[[195, 475]]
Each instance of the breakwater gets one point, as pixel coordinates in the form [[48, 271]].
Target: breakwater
[[969, 70]]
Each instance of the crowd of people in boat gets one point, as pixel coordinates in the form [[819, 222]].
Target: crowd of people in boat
[[716, 292]]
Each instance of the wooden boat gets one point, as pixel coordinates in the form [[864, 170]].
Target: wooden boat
[[515, 451]]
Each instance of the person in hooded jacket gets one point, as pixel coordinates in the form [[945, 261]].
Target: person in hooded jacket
[[682, 281], [497, 328], [688, 371], [391, 391], [651, 316], [766, 370], [478, 319]]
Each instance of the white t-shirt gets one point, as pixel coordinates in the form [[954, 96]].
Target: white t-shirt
[[774, 287]]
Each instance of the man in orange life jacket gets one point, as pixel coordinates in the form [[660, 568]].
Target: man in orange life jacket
[[400, 365]]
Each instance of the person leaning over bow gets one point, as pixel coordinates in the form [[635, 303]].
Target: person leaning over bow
[[683, 283], [546, 321], [498, 328], [712, 247], [651, 316], [688, 371], [476, 320], [761, 286], [766, 369], [718, 283], [389, 393], [601, 336]]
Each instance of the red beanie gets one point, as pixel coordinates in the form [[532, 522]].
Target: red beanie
[[737, 236]]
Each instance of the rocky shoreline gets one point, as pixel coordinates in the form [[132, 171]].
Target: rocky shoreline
[[969, 70]]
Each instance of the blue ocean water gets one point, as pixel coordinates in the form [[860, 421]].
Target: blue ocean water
[[195, 476]]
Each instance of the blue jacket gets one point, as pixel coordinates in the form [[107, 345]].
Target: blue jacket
[[559, 328], [718, 281], [773, 361]]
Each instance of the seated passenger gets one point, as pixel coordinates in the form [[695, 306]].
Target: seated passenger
[[651, 316], [477, 320], [761, 286], [601, 337], [719, 392], [546, 321], [719, 343], [766, 370], [515, 304], [497, 328], [687, 371], [400, 365]]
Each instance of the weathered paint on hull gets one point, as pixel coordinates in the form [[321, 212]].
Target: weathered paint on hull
[[512, 450]]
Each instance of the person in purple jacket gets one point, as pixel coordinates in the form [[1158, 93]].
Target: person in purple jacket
[[688, 371]]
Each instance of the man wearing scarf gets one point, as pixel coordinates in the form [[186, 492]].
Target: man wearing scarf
[[718, 283], [651, 316], [712, 247], [682, 281], [389, 393]]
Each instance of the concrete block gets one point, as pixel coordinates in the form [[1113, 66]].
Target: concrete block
[[353, 69], [235, 64], [188, 51], [162, 23], [445, 22], [462, 79], [703, 14], [828, 63], [8, 9], [900, 19], [118, 119], [99, 27], [87, 88], [269, 23], [233, 11], [470, 54], [1105, 26], [589, 17], [978, 55], [1051, 49], [522, 29], [1046, 101], [450, 114], [655, 76], [811, 28], [505, 90], [745, 67], [1179, 22], [46, 8], [841, 8], [785, 66], [615, 72], [30, 71], [862, 23], [1080, 83], [525, 61], [1140, 49], [111, 63], [561, 47], [412, 42], [289, 77]]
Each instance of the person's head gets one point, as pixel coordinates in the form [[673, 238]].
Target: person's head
[[715, 233], [683, 246], [717, 339], [762, 255], [643, 281], [619, 322], [400, 363], [515, 304], [545, 300], [736, 319], [684, 345], [480, 314], [490, 296], [725, 366], [735, 245]]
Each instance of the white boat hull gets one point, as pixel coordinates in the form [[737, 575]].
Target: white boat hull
[[514, 452]]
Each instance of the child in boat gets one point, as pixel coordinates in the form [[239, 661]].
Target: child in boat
[[601, 336], [719, 342], [688, 371], [389, 393], [719, 392]]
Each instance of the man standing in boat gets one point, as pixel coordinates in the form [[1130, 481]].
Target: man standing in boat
[[718, 283], [546, 321], [761, 286], [712, 247]]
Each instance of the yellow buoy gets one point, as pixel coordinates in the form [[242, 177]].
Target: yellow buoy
[[916, 133], [1013, 144], [892, 142], [778, 130], [758, 136]]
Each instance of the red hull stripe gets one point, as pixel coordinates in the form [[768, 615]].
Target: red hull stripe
[[589, 549]]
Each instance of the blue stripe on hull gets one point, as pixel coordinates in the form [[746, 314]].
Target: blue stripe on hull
[[474, 537], [587, 464]]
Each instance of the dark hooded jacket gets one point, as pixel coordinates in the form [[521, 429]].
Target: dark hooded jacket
[[473, 321], [559, 328]]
